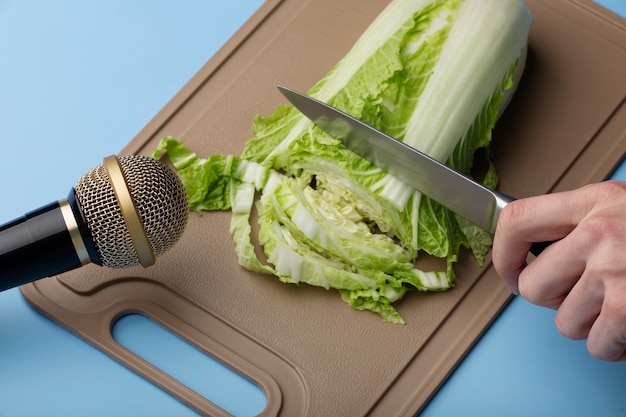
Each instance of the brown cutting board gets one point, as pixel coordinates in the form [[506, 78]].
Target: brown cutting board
[[308, 350]]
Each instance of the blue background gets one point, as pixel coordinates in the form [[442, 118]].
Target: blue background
[[78, 80]]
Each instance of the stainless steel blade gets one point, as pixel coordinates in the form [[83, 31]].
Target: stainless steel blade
[[455, 191]]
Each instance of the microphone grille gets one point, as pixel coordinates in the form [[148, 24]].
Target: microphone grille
[[158, 195]]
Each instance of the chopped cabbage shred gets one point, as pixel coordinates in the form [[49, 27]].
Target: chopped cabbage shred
[[431, 73]]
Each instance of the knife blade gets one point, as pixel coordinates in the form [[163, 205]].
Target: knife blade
[[457, 192]]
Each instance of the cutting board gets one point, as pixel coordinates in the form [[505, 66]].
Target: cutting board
[[303, 346]]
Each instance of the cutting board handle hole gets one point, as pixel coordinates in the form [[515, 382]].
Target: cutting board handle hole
[[182, 361]]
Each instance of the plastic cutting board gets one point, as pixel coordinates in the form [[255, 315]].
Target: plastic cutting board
[[308, 350]]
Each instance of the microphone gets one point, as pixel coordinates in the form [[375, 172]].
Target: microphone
[[123, 213]]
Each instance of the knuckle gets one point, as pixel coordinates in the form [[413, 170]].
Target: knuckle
[[596, 227], [601, 228], [611, 345], [601, 351], [595, 351], [567, 329], [610, 189], [602, 274], [614, 309]]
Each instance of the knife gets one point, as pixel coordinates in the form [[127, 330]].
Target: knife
[[457, 192]]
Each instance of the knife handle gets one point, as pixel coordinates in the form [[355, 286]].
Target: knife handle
[[537, 247]]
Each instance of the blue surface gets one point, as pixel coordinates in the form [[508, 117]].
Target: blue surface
[[617, 6], [206, 376], [78, 80]]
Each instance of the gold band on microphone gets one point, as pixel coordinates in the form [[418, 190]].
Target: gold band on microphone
[[72, 228], [129, 212]]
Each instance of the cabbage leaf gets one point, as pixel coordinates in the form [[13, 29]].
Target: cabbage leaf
[[430, 73]]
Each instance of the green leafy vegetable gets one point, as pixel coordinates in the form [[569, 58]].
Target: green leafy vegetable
[[431, 73]]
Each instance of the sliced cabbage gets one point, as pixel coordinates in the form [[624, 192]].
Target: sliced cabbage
[[431, 73]]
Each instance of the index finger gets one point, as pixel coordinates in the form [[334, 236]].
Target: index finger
[[535, 219]]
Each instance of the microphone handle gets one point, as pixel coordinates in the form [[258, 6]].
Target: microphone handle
[[45, 242]]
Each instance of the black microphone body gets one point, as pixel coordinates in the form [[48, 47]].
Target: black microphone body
[[45, 242], [123, 213]]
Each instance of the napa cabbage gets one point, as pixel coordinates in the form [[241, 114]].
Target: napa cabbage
[[432, 73]]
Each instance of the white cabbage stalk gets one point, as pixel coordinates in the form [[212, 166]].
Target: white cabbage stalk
[[434, 74]]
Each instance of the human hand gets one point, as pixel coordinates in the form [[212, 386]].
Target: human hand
[[583, 274]]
